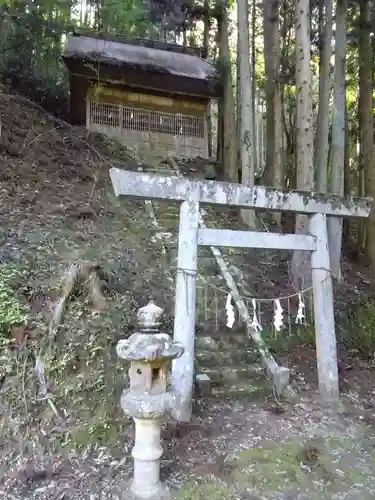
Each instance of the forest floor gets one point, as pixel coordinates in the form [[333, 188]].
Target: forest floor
[[57, 207]]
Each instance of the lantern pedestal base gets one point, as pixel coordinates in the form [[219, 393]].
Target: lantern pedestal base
[[124, 491], [147, 451], [147, 401], [162, 493]]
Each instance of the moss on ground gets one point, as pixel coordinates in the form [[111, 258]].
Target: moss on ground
[[203, 490], [271, 468], [316, 466]]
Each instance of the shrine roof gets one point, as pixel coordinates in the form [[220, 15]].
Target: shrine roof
[[166, 59]]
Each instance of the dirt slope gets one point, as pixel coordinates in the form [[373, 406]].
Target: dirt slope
[[56, 206]]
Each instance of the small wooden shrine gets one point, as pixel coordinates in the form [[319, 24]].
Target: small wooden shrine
[[145, 92]]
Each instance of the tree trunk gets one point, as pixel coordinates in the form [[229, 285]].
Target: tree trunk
[[272, 54], [206, 45], [253, 86], [238, 106], [325, 40], [87, 14], [347, 188], [361, 223], [246, 103], [206, 27], [366, 118], [274, 164], [229, 118], [301, 268], [220, 105], [269, 87], [338, 135], [220, 135]]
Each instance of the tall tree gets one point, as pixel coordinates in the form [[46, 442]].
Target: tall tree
[[206, 45], [366, 117], [253, 83], [305, 130], [271, 12], [338, 134], [228, 104], [274, 128], [246, 105], [238, 104], [325, 53]]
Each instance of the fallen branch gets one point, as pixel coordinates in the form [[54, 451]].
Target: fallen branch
[[44, 393]]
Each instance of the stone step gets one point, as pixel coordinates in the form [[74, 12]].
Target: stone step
[[227, 341], [225, 374], [238, 358], [258, 388]]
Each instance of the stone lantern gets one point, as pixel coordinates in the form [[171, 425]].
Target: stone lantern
[[148, 398]]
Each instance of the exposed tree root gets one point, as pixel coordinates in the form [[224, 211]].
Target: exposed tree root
[[79, 275]]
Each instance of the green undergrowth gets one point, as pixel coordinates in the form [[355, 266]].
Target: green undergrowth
[[358, 334], [289, 338], [85, 377], [12, 311], [83, 373], [355, 333]]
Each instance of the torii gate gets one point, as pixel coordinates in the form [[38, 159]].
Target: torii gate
[[191, 194]]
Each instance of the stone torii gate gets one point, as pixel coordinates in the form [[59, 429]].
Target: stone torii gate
[[191, 194]]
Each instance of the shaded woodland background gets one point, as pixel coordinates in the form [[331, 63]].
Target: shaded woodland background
[[319, 53]]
